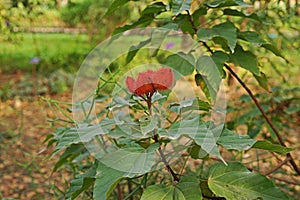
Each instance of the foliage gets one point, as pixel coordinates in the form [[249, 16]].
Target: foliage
[[123, 154]]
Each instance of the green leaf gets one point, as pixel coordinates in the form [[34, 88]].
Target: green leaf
[[190, 188], [267, 145], [132, 160], [220, 58], [162, 192], [157, 38], [81, 182], [180, 5], [188, 105], [274, 50], [106, 179], [134, 49], [245, 59], [225, 3], [147, 16], [262, 80], [183, 20], [231, 140], [225, 30], [196, 15], [210, 73], [182, 63], [71, 153], [252, 37], [115, 5], [83, 133], [195, 129], [233, 12], [236, 182]]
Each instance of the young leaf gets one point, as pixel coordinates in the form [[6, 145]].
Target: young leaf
[[225, 30], [266, 145], [231, 140], [106, 179], [236, 182], [180, 5], [245, 59]]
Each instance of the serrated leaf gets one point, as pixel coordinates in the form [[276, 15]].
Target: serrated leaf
[[115, 5], [180, 5], [81, 182], [267, 145], [231, 140], [106, 179], [236, 182], [190, 188], [225, 30], [245, 59], [181, 62]]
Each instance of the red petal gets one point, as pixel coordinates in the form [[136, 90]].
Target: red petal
[[130, 82], [163, 79]]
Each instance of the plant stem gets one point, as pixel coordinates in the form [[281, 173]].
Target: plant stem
[[156, 139], [120, 197]]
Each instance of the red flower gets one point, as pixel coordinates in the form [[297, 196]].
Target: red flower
[[150, 81]]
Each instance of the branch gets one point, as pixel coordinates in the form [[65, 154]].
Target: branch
[[164, 160], [278, 166], [289, 156]]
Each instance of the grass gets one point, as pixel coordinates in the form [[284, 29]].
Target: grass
[[56, 51]]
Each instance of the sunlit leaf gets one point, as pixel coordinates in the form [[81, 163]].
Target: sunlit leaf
[[231, 140], [180, 5], [236, 182], [245, 59], [266, 145], [225, 30]]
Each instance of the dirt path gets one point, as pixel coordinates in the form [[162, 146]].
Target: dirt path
[[25, 169]]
